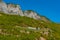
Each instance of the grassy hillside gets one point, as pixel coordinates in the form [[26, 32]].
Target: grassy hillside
[[15, 27]]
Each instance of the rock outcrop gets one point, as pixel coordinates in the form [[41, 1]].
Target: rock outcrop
[[15, 9], [31, 14], [11, 9], [3, 7]]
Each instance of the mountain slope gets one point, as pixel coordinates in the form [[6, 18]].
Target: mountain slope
[[28, 25], [16, 27]]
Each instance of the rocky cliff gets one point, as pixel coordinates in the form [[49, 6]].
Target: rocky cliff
[[15, 9], [10, 9]]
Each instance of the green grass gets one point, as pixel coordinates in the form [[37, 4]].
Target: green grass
[[9, 23]]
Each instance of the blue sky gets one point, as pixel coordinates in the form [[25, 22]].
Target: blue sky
[[48, 8]]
